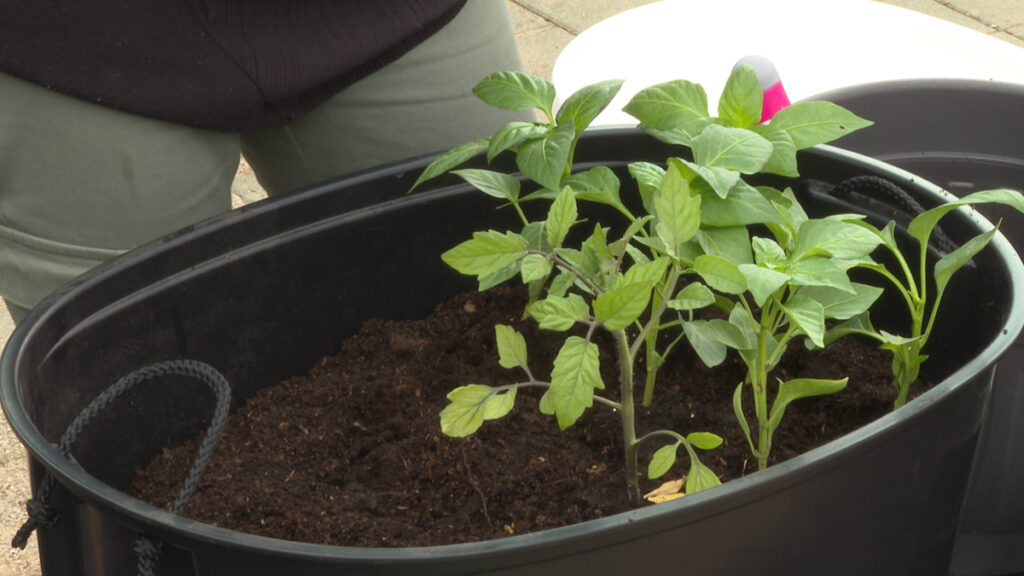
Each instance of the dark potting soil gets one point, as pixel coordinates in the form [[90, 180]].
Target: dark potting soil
[[352, 454]]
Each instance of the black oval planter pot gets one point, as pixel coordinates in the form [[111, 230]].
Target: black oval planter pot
[[958, 134], [266, 291]]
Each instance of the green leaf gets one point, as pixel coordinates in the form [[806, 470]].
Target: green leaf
[[584, 263], [737, 408], [561, 284], [535, 267], [648, 178], [711, 351], [731, 243], [860, 324], [704, 440], [732, 148], [693, 296], [492, 279], [516, 91], [650, 272], [599, 184], [470, 405], [512, 134], [767, 252], [836, 238], [486, 253], [675, 105], [921, 226], [720, 274], [544, 160], [586, 103], [700, 478], [492, 183], [797, 389], [727, 333], [808, 315], [561, 216], [763, 282], [677, 211], [742, 98], [662, 461], [744, 206], [949, 264], [559, 313], [450, 159], [722, 181], [818, 271], [840, 304], [511, 347], [619, 308], [783, 158], [812, 123], [575, 376]]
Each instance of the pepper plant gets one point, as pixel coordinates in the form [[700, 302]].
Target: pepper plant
[[913, 284], [704, 238]]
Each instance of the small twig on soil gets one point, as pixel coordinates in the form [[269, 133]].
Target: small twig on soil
[[472, 482]]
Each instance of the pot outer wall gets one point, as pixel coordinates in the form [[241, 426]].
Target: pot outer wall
[[264, 292], [964, 135]]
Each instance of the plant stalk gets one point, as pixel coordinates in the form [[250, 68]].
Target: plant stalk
[[629, 443]]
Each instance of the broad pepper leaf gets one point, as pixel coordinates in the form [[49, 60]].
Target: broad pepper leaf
[[513, 133], [586, 103], [675, 105], [496, 184], [711, 351], [511, 90], [450, 159], [840, 304], [812, 123], [677, 211], [797, 389], [763, 282], [720, 274], [742, 99], [544, 160], [808, 315], [732, 148]]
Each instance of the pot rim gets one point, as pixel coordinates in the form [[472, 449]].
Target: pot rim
[[179, 530]]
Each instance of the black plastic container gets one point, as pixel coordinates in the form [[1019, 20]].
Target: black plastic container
[[965, 135], [265, 292]]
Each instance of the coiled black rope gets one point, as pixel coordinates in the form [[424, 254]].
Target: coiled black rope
[[147, 549], [884, 190]]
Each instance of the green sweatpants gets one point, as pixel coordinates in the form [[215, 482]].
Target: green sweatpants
[[80, 183]]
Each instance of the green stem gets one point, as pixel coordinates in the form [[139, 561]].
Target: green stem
[[760, 386], [629, 442]]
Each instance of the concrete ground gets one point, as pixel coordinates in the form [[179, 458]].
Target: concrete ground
[[543, 28]]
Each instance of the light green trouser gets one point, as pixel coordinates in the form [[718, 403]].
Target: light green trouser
[[80, 183]]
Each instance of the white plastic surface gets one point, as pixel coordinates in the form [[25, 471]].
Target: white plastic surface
[[816, 45]]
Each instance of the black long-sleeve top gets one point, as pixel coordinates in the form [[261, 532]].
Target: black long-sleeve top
[[230, 65]]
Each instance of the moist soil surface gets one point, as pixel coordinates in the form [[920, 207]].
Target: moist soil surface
[[352, 454]]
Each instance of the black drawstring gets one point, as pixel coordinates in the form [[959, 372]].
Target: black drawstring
[[147, 549]]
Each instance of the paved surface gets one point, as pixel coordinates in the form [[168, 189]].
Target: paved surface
[[543, 27]]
